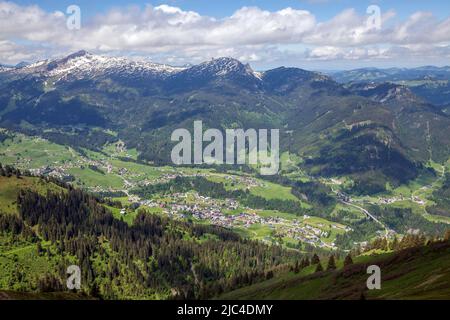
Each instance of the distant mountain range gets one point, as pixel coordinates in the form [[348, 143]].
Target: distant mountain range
[[429, 82], [384, 131], [81, 65], [393, 74], [4, 68]]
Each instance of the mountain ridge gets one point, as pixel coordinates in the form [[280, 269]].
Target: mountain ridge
[[327, 123]]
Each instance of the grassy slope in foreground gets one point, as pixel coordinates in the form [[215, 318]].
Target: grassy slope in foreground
[[10, 188], [416, 273]]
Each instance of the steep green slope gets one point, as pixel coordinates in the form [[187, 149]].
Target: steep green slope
[[416, 273], [49, 228], [10, 188]]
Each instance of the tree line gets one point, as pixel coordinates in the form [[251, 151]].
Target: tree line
[[155, 256]]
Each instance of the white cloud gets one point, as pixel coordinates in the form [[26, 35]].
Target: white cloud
[[28, 22], [12, 53], [251, 34], [339, 53], [251, 25], [422, 27], [348, 29]]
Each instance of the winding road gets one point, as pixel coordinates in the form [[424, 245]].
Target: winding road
[[367, 213]]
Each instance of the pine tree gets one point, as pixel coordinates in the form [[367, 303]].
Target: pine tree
[[384, 244], [348, 260], [307, 263], [421, 240], [94, 290], [331, 263], [319, 267], [296, 267], [315, 259], [394, 244]]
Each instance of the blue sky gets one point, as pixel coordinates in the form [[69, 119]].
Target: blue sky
[[323, 9], [315, 34]]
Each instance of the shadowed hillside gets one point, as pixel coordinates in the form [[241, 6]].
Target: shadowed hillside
[[415, 273]]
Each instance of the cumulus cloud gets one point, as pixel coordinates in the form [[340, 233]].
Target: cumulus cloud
[[250, 34], [421, 27], [339, 53], [12, 53], [349, 29], [29, 22]]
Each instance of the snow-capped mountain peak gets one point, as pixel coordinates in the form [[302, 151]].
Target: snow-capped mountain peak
[[4, 68], [86, 65], [83, 64]]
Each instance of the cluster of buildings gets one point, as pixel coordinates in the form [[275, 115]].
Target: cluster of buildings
[[55, 172], [247, 181], [217, 212], [222, 212]]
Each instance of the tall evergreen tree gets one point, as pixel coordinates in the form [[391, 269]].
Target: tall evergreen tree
[[348, 260], [394, 244], [315, 259], [296, 267], [319, 267], [331, 263]]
